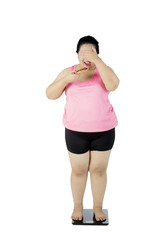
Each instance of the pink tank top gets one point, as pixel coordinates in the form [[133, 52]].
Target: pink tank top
[[87, 107]]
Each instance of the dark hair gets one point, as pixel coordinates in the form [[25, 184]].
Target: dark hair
[[88, 39]]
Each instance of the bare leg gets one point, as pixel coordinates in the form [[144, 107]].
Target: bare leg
[[98, 167], [79, 164]]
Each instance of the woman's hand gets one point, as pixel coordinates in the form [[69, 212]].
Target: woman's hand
[[72, 76], [87, 55]]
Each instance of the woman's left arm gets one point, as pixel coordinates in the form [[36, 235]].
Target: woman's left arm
[[109, 78]]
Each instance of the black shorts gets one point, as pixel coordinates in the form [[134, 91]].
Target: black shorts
[[81, 142]]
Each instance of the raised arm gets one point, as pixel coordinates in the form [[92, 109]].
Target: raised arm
[[55, 89]]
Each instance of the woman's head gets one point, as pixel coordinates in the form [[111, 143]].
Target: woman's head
[[88, 40], [87, 43]]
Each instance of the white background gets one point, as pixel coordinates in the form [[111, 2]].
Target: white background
[[38, 40]]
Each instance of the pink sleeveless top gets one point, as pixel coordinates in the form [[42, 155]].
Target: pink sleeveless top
[[87, 107]]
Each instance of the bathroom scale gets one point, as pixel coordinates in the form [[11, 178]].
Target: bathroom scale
[[89, 218]]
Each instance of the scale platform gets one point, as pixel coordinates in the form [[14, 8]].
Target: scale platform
[[89, 219]]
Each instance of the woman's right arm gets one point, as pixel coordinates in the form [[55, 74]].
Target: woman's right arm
[[55, 89]]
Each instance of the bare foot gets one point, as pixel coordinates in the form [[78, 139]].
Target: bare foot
[[99, 214], [77, 214]]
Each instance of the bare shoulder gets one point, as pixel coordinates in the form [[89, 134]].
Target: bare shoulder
[[67, 69], [63, 73]]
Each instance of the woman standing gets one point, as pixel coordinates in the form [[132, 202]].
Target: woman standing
[[90, 120]]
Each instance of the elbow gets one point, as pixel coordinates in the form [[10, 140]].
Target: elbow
[[52, 97], [48, 95], [115, 86]]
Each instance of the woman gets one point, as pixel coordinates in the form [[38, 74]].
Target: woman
[[89, 121]]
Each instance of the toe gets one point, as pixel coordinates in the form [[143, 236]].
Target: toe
[[100, 218]]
